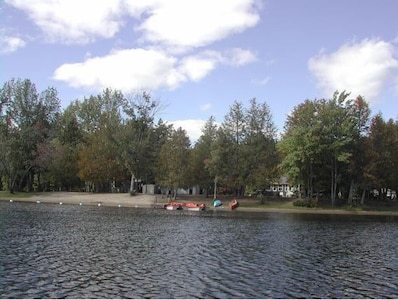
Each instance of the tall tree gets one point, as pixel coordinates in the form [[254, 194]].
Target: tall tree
[[382, 161], [100, 120], [98, 164], [219, 163], [59, 155], [138, 135], [234, 128], [172, 171], [360, 113], [336, 138], [300, 145], [201, 155], [259, 147], [28, 120], [318, 138]]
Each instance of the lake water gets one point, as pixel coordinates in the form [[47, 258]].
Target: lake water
[[69, 251]]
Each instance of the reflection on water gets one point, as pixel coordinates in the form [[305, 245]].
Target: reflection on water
[[65, 251]]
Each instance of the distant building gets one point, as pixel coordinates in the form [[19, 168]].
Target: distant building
[[154, 189], [283, 188]]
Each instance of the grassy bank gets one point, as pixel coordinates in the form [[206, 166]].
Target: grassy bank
[[287, 204], [5, 195]]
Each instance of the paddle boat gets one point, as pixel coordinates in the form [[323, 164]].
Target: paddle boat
[[233, 204], [173, 206], [195, 206], [192, 206]]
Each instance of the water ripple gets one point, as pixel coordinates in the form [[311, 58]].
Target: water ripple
[[53, 251]]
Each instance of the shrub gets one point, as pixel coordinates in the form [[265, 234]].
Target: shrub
[[262, 199], [306, 202]]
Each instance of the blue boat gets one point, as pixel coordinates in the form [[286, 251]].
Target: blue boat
[[217, 203]]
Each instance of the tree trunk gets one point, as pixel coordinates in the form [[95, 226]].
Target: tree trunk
[[30, 181], [310, 185], [351, 192], [299, 191], [215, 188], [333, 181], [132, 182], [335, 187], [363, 197], [331, 186]]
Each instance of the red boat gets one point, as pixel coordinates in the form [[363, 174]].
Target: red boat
[[195, 206], [188, 206], [174, 206], [233, 204]]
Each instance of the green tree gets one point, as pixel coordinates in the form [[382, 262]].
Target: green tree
[[336, 139], [58, 156], [219, 163], [139, 137], [360, 113], [299, 146], [382, 149], [259, 147], [234, 128], [201, 155], [172, 171], [28, 119], [318, 141], [99, 154], [98, 164]]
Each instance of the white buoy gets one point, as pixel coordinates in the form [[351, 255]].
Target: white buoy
[[60, 203], [38, 201], [10, 200], [80, 204], [119, 205], [136, 206], [99, 204]]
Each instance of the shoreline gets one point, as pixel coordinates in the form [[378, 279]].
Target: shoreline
[[149, 201], [82, 198]]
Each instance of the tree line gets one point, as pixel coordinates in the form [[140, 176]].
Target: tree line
[[110, 141]]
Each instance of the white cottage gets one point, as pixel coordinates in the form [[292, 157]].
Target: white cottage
[[283, 188]]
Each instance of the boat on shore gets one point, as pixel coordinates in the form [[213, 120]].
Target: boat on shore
[[233, 204], [191, 206], [173, 206], [195, 206], [217, 203]]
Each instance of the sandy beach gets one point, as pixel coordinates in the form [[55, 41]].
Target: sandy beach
[[105, 199]]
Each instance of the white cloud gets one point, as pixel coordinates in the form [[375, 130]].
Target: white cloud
[[126, 70], [180, 23], [166, 29], [362, 68], [132, 69], [10, 44], [73, 21], [192, 127], [198, 66], [197, 23], [240, 57]]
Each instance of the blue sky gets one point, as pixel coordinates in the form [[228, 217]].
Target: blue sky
[[199, 56]]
